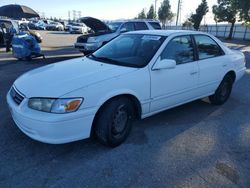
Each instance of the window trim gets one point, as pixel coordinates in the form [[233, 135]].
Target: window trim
[[193, 45], [196, 47]]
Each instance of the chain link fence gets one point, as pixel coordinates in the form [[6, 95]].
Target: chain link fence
[[221, 30]]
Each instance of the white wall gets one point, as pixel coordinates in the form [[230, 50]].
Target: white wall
[[222, 30]]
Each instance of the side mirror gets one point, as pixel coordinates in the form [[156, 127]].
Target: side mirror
[[164, 64], [123, 30]]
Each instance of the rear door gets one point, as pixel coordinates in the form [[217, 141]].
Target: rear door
[[128, 26], [212, 63]]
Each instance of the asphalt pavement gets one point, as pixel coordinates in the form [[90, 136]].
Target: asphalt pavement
[[194, 145]]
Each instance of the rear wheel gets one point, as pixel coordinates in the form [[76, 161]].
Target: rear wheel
[[114, 122], [223, 92]]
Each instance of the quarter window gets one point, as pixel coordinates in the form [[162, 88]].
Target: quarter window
[[140, 26], [155, 25], [207, 47], [179, 49]]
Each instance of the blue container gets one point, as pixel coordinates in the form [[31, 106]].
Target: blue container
[[25, 47]]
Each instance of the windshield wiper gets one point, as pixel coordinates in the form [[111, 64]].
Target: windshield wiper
[[106, 59]]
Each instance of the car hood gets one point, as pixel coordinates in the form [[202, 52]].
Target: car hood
[[95, 24], [56, 80]]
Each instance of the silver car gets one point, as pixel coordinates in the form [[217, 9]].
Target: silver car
[[103, 33]]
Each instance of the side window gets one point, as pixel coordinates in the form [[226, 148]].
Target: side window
[[207, 47], [155, 25], [129, 26], [179, 49], [140, 26]]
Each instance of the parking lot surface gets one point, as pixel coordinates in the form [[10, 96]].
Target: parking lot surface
[[194, 145]]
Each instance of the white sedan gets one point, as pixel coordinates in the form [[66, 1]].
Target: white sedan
[[79, 28], [136, 75]]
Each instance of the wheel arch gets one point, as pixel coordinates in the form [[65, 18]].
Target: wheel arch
[[232, 74], [135, 102]]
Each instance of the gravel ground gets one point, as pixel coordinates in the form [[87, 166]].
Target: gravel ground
[[194, 145]]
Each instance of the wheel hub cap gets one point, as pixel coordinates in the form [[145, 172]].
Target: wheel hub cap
[[120, 120]]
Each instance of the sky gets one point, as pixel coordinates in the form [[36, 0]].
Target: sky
[[107, 9]]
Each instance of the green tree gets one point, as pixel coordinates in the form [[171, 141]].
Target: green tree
[[142, 15], [164, 13], [244, 6], [201, 11], [151, 13], [187, 23], [227, 11]]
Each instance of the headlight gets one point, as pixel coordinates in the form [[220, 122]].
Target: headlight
[[92, 39], [58, 106]]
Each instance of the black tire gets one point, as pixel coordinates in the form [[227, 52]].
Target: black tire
[[28, 58], [114, 122], [223, 92]]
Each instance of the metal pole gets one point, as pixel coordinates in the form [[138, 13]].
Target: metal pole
[[245, 34], [178, 11], [156, 8]]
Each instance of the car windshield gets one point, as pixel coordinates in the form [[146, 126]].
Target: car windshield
[[132, 50], [114, 25]]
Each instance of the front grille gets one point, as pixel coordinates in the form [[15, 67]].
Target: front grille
[[16, 96]]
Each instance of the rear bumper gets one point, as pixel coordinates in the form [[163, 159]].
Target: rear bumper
[[240, 73]]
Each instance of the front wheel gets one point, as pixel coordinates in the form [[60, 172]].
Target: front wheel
[[114, 122], [223, 92]]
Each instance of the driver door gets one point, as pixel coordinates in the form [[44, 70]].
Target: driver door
[[173, 86]]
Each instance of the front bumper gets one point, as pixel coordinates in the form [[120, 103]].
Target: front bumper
[[76, 31], [88, 47], [51, 128]]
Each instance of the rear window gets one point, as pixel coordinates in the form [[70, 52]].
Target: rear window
[[140, 26], [155, 25]]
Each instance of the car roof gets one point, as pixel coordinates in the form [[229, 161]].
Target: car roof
[[136, 20], [165, 32]]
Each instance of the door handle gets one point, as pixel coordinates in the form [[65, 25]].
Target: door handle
[[193, 73]]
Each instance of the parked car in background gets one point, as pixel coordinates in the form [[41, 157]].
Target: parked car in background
[[41, 25], [8, 24], [54, 26], [67, 26], [37, 25], [103, 33], [78, 28], [64, 23], [136, 75], [24, 28]]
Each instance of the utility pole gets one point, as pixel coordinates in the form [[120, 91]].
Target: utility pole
[[156, 8], [74, 15], [69, 15], [178, 12]]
